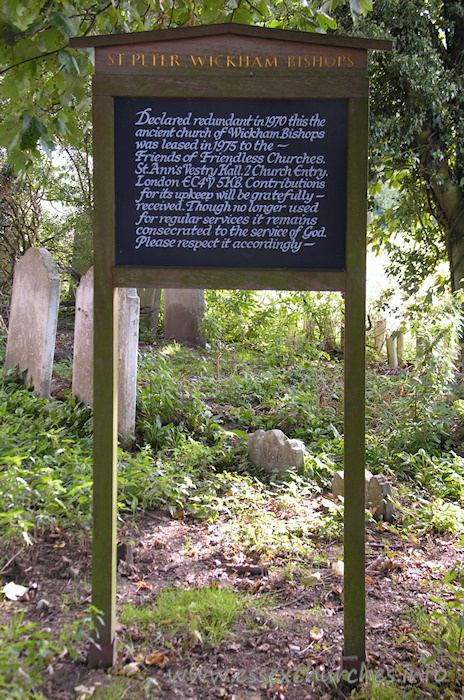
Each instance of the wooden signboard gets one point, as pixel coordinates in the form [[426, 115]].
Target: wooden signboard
[[232, 157]]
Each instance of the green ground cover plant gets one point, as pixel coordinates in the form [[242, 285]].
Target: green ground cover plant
[[192, 420], [194, 411], [25, 653]]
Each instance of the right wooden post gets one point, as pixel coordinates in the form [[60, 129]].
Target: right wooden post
[[354, 649]]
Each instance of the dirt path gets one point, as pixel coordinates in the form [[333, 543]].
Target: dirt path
[[289, 648]]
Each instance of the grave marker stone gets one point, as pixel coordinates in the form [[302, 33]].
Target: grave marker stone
[[273, 450], [183, 312], [33, 318], [82, 382], [128, 333], [150, 299]]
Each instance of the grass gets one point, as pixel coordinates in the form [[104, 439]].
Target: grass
[[205, 614], [25, 653]]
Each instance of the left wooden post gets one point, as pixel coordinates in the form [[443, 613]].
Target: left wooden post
[[105, 352]]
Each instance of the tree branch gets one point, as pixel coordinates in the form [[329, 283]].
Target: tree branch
[[33, 58]]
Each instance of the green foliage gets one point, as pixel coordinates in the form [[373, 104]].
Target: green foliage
[[28, 652], [206, 614], [45, 458], [441, 626], [417, 135], [45, 207], [81, 631], [446, 517], [194, 411], [45, 84], [25, 653], [20, 212], [451, 616], [441, 475], [418, 404], [69, 195], [165, 408], [281, 324], [409, 233]]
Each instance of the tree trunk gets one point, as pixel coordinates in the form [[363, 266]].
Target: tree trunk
[[449, 199]]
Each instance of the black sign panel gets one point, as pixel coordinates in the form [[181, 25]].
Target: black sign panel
[[230, 183]]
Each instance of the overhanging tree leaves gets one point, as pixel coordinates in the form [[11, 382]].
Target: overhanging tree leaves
[[45, 98], [417, 130]]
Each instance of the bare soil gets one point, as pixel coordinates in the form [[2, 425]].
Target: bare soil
[[289, 649]]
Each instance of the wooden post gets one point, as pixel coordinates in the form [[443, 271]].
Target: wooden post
[[354, 650], [105, 400]]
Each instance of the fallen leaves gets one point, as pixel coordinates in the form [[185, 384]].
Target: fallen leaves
[[130, 669], [84, 691], [338, 567], [383, 565], [14, 591], [145, 585], [311, 580], [316, 634], [157, 658]]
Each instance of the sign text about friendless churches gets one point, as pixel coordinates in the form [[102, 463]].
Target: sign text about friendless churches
[[234, 183]]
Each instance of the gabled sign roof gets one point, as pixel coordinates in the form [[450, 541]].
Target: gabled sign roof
[[217, 30]]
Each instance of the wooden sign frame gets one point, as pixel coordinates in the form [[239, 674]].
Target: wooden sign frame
[[234, 62]]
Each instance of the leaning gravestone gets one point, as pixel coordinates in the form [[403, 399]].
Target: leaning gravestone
[[33, 318], [128, 333], [273, 450], [379, 498], [183, 313]]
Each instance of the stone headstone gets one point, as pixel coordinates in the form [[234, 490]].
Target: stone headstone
[[150, 300], [392, 355], [128, 347], [379, 497], [378, 493], [273, 450], [338, 483], [82, 377], [183, 312], [33, 318], [128, 333], [380, 329], [400, 348]]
